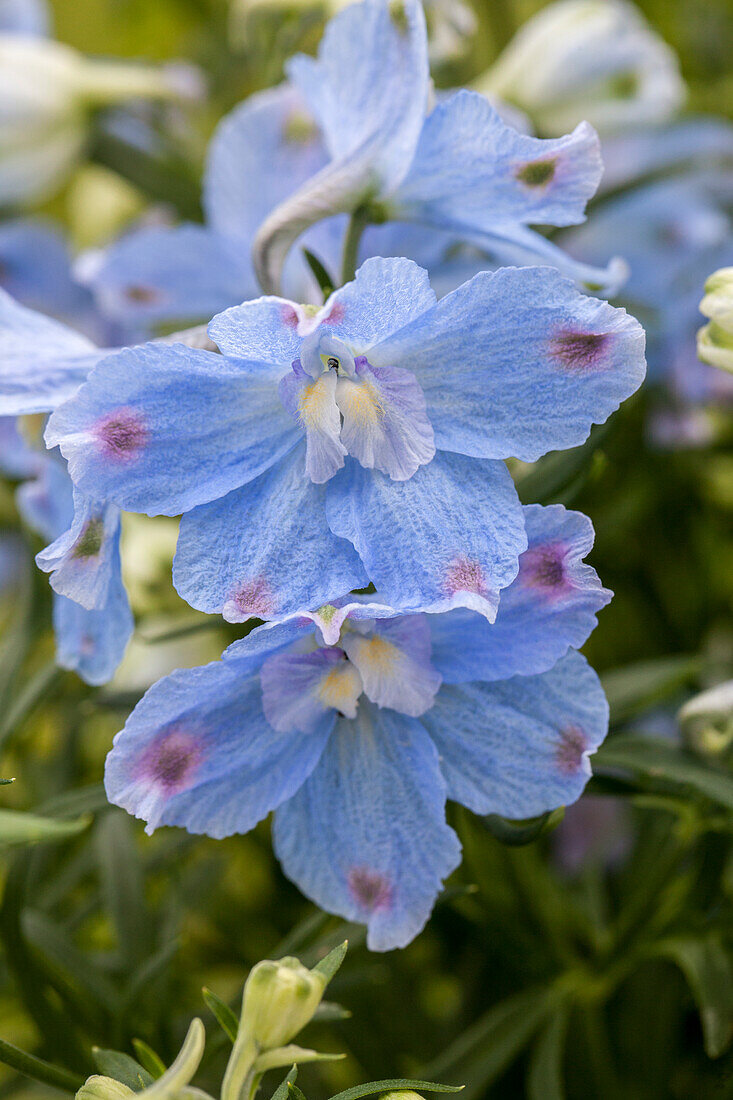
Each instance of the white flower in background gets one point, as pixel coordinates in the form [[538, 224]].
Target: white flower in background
[[47, 94], [597, 60]]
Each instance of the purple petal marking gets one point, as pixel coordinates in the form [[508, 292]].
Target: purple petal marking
[[572, 751], [122, 434], [370, 889], [578, 350], [170, 762]]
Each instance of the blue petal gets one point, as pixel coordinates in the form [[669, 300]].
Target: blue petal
[[394, 663], [35, 268], [549, 608], [265, 549], [701, 142], [197, 751], [517, 363], [42, 362], [163, 427], [368, 86], [366, 836], [520, 747], [473, 172], [84, 560], [302, 690], [24, 17], [92, 643], [448, 537], [181, 274], [18, 459], [47, 502]]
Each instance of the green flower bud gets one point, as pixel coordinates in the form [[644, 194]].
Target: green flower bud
[[706, 720], [402, 1094], [715, 340], [279, 1000], [98, 1087]]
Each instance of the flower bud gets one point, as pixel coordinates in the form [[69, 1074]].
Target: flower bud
[[98, 1087], [596, 60], [279, 1000], [47, 92], [706, 720], [715, 340], [402, 1094]]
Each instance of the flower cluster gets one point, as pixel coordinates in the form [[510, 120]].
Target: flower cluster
[[339, 469]]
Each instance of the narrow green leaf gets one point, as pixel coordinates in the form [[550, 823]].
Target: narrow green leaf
[[295, 1092], [37, 1069], [332, 961], [283, 1089], [31, 694], [655, 760], [322, 277], [285, 1056], [707, 968], [494, 1041], [223, 1014], [545, 1079], [635, 687], [80, 980], [121, 876], [149, 1059], [518, 833], [114, 1063], [17, 827], [329, 1011], [392, 1083], [5, 782]]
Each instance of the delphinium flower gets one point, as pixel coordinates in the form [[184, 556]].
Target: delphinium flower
[[356, 723], [24, 17], [295, 156], [362, 442], [41, 362], [673, 232], [593, 59]]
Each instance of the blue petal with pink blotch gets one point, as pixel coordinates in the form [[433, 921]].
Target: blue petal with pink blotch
[[549, 608], [356, 745]]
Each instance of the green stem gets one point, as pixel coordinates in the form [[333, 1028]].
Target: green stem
[[38, 1069], [252, 1085], [357, 224]]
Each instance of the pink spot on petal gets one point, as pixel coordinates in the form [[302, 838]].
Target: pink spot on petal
[[142, 295], [543, 567], [465, 575], [579, 350], [122, 434], [289, 316], [571, 750], [369, 888], [335, 314], [253, 598], [171, 761]]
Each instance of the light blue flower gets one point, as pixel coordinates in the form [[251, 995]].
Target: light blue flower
[[36, 270], [457, 167], [360, 442], [41, 362], [294, 156], [261, 152], [24, 17], [356, 723]]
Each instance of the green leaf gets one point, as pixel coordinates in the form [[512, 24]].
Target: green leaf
[[545, 1079], [283, 1089], [121, 876], [656, 760], [113, 1063], [636, 687], [332, 961], [35, 691], [707, 968], [149, 1059], [17, 827], [72, 972], [547, 479], [518, 833], [494, 1041], [37, 1069], [322, 277], [223, 1014], [295, 1092], [285, 1056], [392, 1083], [329, 1011]]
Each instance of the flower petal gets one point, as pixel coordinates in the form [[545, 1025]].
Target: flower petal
[[85, 559], [92, 643], [197, 751], [517, 363], [162, 428], [549, 608], [394, 664], [449, 537], [366, 836], [299, 690], [520, 747], [265, 549]]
